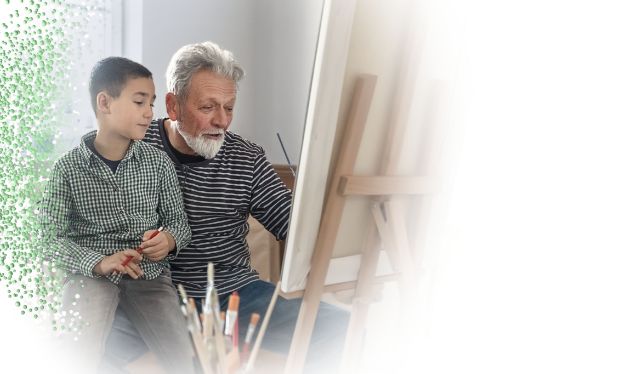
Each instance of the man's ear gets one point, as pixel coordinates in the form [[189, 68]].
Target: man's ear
[[103, 102], [173, 106]]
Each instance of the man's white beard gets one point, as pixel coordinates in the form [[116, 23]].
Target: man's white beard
[[206, 148]]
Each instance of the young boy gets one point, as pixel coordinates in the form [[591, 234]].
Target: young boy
[[106, 197]]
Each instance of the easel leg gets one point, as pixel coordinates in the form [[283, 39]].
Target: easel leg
[[396, 220], [329, 224], [389, 244], [392, 232], [363, 295]]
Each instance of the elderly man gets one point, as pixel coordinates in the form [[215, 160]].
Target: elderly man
[[224, 179]]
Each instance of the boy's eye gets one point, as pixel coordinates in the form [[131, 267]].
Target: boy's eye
[[153, 105], [229, 109], [138, 102]]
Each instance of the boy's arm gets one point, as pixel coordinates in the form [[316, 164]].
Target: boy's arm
[[171, 208], [56, 218]]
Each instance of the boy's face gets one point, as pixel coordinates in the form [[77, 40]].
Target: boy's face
[[130, 114]]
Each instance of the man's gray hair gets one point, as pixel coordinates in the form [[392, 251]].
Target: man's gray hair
[[192, 58]]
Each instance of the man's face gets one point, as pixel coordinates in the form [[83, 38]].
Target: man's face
[[206, 113]]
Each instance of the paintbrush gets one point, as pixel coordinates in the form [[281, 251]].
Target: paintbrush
[[263, 329]]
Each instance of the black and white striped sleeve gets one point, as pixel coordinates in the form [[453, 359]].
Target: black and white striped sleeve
[[270, 198]]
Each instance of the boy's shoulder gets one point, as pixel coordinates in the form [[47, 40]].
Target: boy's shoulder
[[75, 160], [150, 153], [147, 149], [71, 159]]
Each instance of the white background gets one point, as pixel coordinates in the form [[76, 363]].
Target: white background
[[538, 268]]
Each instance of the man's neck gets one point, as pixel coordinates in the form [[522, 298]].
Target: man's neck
[[176, 140], [111, 146]]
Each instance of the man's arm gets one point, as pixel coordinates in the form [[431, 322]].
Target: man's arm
[[270, 198]]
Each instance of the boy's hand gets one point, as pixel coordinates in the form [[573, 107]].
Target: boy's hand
[[158, 247], [113, 263]]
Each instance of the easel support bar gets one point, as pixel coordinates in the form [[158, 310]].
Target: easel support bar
[[377, 186], [343, 286]]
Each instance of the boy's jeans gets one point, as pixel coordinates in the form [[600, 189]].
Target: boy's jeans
[[124, 344], [151, 306]]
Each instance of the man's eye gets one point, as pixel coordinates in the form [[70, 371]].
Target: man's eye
[[138, 102], [152, 105], [229, 109]]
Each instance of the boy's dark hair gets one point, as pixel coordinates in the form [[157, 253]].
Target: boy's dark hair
[[111, 74]]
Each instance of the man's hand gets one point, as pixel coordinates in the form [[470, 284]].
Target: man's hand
[[157, 248], [113, 263]]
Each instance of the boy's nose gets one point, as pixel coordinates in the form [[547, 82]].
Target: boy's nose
[[148, 113]]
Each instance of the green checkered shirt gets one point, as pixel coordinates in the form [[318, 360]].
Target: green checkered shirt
[[90, 212]]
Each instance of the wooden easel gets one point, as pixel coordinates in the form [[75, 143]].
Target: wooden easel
[[387, 225]]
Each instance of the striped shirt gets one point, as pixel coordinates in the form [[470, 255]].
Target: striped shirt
[[219, 194], [90, 212]]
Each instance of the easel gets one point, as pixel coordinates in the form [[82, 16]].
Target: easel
[[388, 225]]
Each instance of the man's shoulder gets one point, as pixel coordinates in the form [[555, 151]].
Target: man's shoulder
[[153, 132], [236, 143], [153, 138], [155, 124]]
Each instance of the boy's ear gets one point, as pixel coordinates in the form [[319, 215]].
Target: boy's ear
[[103, 102], [173, 106]]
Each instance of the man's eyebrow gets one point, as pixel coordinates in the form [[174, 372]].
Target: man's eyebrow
[[211, 99]]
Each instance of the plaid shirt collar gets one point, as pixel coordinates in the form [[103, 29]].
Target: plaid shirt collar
[[133, 152]]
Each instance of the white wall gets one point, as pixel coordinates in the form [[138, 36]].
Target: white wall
[[274, 41]]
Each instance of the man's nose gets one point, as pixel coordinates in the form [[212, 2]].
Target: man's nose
[[221, 118]]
